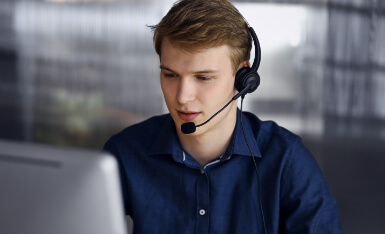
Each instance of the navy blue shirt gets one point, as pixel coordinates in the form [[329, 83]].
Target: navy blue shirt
[[166, 191]]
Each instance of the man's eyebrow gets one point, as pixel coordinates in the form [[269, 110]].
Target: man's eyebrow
[[195, 72], [165, 68]]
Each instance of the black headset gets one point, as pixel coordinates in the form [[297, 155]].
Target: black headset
[[247, 81], [246, 77]]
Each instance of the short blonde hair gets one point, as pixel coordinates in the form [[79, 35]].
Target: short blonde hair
[[194, 25]]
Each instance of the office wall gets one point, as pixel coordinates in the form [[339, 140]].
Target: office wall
[[80, 71], [75, 72]]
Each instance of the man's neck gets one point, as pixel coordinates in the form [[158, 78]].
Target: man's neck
[[206, 147]]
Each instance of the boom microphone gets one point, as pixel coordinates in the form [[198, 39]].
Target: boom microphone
[[190, 127]]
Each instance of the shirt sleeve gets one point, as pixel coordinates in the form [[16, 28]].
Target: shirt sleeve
[[111, 147], [307, 203]]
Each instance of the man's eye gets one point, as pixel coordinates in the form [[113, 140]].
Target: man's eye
[[169, 75], [204, 78]]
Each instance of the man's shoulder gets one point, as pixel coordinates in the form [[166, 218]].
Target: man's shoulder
[[268, 130], [148, 128]]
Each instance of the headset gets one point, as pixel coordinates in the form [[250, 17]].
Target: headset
[[247, 78]]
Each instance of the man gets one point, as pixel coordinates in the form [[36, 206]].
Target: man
[[206, 182]]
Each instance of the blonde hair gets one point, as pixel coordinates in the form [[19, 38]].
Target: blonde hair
[[194, 25]]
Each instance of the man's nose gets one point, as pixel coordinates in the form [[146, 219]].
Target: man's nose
[[186, 90]]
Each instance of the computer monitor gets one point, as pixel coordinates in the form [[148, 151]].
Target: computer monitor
[[51, 190]]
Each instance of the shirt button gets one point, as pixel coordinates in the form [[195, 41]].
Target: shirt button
[[202, 212], [202, 171]]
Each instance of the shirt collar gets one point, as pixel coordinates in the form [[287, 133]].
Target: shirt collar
[[238, 144], [167, 142]]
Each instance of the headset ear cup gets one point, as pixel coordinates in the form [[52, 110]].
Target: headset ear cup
[[239, 77], [253, 80]]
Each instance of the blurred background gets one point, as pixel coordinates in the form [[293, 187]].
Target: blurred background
[[72, 73]]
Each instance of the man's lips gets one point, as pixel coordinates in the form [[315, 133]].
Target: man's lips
[[187, 115]]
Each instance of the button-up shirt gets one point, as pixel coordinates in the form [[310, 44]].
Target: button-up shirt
[[166, 190]]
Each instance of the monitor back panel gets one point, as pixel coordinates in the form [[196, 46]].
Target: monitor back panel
[[47, 189]]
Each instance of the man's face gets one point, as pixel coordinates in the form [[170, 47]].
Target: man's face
[[196, 85]]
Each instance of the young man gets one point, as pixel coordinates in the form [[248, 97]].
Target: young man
[[206, 181]]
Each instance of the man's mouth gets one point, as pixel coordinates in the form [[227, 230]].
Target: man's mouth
[[187, 115]]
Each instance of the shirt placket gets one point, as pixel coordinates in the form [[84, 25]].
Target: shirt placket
[[203, 203], [203, 200]]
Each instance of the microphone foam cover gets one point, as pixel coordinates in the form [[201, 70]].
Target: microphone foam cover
[[188, 127]]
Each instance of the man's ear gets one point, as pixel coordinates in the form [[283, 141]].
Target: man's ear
[[244, 64]]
